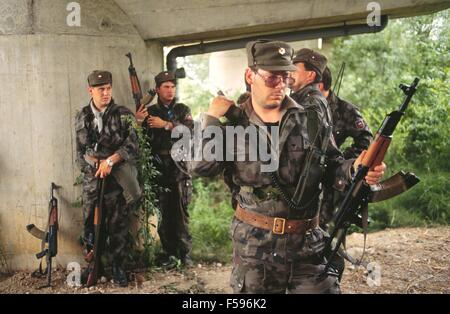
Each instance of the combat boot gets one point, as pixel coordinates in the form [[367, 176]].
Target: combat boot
[[119, 275], [187, 261]]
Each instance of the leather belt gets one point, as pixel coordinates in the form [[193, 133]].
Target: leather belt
[[276, 224]]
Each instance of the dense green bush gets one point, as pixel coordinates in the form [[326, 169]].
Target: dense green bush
[[210, 218]]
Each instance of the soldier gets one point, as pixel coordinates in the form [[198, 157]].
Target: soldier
[[163, 116], [104, 138], [347, 122], [277, 245], [309, 68]]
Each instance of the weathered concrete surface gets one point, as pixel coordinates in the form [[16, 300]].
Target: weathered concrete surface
[[43, 84], [181, 21], [99, 17]]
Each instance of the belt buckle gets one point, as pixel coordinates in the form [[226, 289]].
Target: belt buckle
[[275, 230]]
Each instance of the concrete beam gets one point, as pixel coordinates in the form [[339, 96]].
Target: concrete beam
[[180, 21]]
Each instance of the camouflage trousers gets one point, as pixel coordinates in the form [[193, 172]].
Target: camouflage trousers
[[331, 199], [264, 262], [174, 227], [117, 217]]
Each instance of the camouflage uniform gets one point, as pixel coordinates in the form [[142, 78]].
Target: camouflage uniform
[[173, 229], [265, 262], [115, 137], [347, 122]]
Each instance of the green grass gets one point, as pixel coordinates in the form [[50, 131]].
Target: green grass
[[210, 218]]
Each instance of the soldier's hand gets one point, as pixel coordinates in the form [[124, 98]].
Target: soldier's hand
[[372, 177], [103, 169], [156, 122], [141, 114], [219, 106]]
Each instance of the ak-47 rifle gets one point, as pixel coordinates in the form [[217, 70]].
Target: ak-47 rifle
[[354, 207], [139, 98], [48, 236], [94, 255]]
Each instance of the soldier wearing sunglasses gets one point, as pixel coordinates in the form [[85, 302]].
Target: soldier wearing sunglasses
[[277, 243]]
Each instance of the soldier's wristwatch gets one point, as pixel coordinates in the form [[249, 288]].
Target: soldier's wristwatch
[[109, 162]]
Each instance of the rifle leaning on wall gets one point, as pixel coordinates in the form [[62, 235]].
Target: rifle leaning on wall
[[354, 207], [48, 236]]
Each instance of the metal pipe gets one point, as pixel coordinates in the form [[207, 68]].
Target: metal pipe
[[335, 31]]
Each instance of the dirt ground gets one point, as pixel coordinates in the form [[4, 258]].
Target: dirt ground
[[406, 260]]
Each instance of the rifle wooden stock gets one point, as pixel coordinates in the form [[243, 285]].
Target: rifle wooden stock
[[98, 221], [135, 84]]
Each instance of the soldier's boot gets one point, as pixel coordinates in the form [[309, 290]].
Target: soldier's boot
[[187, 261], [119, 275]]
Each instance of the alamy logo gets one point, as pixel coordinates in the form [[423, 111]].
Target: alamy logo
[[374, 17], [229, 143], [74, 17]]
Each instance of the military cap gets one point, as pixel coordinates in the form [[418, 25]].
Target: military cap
[[270, 55], [313, 58], [98, 77], [164, 76]]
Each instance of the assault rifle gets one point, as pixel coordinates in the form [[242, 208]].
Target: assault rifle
[[48, 236], [354, 207], [139, 99]]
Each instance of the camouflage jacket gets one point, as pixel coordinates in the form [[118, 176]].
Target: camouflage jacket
[[115, 137], [252, 243], [310, 97], [293, 145], [348, 122], [161, 141]]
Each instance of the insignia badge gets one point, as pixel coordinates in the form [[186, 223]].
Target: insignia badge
[[282, 51], [359, 124], [99, 76]]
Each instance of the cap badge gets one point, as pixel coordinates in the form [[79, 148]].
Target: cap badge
[[282, 51]]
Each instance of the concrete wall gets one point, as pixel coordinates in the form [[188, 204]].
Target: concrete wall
[[43, 68]]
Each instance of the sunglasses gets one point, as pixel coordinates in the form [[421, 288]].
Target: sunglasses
[[273, 80]]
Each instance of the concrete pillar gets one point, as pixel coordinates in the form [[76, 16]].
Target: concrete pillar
[[44, 64]]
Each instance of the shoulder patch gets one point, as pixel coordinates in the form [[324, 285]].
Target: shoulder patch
[[359, 123]]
